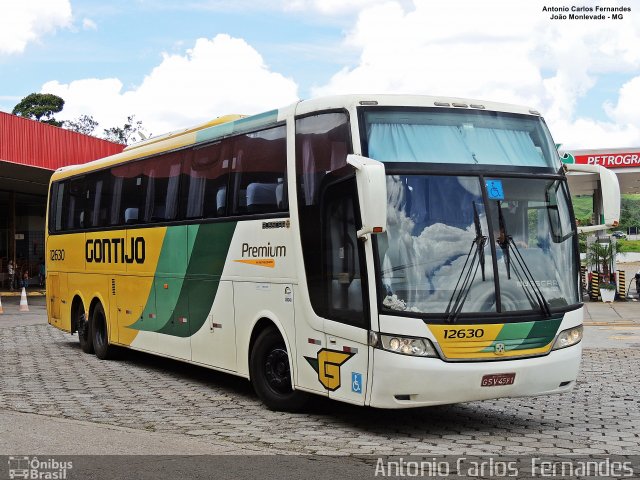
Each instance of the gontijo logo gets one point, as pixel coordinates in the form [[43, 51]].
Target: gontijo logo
[[115, 250], [327, 366]]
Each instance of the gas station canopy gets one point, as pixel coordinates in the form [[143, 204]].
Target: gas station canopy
[[625, 162]]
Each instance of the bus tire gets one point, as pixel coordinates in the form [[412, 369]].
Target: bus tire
[[100, 334], [271, 373], [84, 331]]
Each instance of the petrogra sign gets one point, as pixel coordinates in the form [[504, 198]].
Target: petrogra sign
[[608, 160]]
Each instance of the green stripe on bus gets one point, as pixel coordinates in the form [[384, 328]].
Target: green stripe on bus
[[182, 308], [545, 331], [526, 335], [162, 301], [206, 263]]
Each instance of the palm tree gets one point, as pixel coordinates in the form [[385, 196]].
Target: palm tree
[[602, 256]]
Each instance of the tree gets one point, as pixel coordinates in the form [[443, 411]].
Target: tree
[[629, 212], [602, 256], [84, 124], [40, 107], [127, 133]]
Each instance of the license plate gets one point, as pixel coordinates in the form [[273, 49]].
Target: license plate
[[498, 379]]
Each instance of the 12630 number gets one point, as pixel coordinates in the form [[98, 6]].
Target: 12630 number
[[464, 333]]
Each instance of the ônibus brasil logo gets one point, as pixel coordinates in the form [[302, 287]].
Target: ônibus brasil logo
[[33, 468]]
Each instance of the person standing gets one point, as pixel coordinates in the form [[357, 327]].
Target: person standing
[[11, 271], [41, 272]]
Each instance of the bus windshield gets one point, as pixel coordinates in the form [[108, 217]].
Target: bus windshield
[[461, 136], [455, 244], [445, 245]]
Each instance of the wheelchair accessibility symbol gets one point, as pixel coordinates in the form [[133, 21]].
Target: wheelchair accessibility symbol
[[356, 382], [495, 190]]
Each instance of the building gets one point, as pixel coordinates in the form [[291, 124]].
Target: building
[[29, 153]]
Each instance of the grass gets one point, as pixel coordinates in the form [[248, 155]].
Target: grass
[[625, 246], [582, 206]]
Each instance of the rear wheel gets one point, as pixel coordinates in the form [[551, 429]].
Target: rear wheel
[[271, 373], [82, 325], [99, 334]]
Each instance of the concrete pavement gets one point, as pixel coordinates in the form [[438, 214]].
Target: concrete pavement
[[46, 435], [56, 400]]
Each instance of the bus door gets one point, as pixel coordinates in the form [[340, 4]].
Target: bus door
[[53, 289], [346, 358]]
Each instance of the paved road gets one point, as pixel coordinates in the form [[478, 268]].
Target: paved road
[[48, 385]]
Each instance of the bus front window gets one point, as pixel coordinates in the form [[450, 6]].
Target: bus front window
[[435, 257], [534, 244], [437, 254]]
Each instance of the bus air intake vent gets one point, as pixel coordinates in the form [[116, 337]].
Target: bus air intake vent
[[113, 286]]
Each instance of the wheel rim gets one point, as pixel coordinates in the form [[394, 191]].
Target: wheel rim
[[277, 371]]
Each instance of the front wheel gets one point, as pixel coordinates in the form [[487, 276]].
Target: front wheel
[[271, 373], [99, 334]]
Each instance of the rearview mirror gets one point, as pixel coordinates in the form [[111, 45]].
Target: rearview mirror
[[610, 198], [372, 194]]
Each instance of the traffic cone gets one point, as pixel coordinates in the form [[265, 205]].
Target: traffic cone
[[24, 306], [1, 309]]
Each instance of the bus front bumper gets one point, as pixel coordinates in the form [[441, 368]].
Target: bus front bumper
[[401, 381]]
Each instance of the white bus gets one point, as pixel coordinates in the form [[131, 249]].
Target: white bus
[[391, 251]]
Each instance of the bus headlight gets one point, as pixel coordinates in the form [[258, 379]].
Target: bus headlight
[[568, 338], [418, 347]]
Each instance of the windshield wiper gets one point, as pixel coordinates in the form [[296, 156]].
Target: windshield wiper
[[458, 297], [476, 222], [507, 244]]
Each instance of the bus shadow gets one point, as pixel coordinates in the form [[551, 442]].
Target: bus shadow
[[213, 379], [473, 418], [187, 371]]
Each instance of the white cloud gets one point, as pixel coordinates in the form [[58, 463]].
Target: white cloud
[[25, 21], [329, 7], [622, 130], [584, 133], [495, 50], [324, 7], [217, 76], [626, 110], [88, 24]]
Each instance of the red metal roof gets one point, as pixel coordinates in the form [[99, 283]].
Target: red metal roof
[[38, 144]]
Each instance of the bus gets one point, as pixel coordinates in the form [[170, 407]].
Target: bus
[[383, 250]]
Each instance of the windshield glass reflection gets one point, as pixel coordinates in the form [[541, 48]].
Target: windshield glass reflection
[[535, 215], [432, 224], [436, 256]]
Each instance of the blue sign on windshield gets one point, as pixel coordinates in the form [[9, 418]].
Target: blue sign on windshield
[[495, 190]]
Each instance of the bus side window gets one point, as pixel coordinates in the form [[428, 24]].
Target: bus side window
[[162, 178], [73, 204], [98, 199], [133, 193], [258, 166], [57, 197], [205, 178]]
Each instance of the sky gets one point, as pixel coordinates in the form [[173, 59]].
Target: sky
[[174, 64]]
